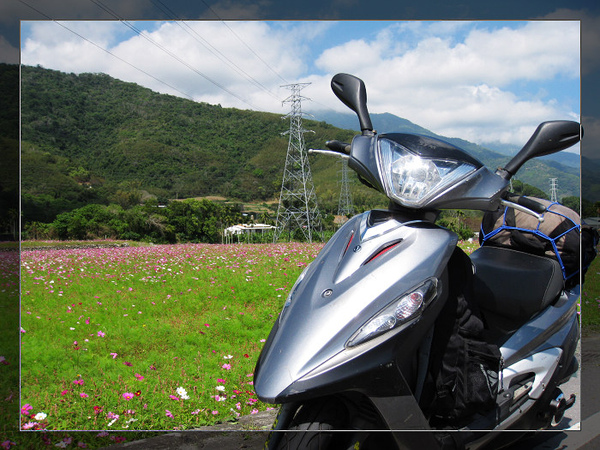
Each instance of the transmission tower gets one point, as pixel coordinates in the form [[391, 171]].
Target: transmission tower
[[554, 189], [298, 208], [345, 205]]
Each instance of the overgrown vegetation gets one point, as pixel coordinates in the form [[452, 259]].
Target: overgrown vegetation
[[181, 221], [90, 138]]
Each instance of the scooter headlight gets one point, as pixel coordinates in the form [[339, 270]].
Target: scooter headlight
[[411, 179], [401, 311]]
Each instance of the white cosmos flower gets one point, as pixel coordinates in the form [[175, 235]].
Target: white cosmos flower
[[182, 393]]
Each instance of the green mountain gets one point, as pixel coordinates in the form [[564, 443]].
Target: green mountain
[[564, 166], [90, 138]]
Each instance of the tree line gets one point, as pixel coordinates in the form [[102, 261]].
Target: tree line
[[180, 221]]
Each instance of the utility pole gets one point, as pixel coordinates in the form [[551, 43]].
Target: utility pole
[[554, 189], [345, 205], [297, 208]]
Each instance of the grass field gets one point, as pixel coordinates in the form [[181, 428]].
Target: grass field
[[161, 337], [157, 337]]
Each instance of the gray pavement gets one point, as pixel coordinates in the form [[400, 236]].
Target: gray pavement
[[579, 429]]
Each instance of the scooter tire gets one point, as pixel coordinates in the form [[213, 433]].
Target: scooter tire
[[312, 427]]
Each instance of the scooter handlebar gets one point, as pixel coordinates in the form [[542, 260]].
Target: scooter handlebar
[[528, 203], [337, 146]]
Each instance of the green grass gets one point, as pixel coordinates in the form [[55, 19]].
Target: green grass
[[185, 316]]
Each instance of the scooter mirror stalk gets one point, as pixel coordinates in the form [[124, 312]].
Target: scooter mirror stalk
[[352, 92]]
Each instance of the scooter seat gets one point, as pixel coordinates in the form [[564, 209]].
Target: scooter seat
[[511, 287]]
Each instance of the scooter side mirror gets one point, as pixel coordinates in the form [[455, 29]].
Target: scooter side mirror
[[352, 92], [549, 137]]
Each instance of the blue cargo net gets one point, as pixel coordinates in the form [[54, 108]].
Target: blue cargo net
[[539, 233]]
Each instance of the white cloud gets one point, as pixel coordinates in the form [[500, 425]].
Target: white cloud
[[463, 89], [456, 78]]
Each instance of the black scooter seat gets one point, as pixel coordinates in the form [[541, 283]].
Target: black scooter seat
[[511, 286]]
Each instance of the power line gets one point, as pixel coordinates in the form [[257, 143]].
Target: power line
[[216, 52], [245, 43], [170, 53], [107, 51]]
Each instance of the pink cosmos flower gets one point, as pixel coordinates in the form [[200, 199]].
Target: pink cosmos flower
[[101, 334], [226, 366], [80, 382], [128, 395], [65, 392], [220, 380], [168, 413], [173, 397], [128, 364], [26, 408], [214, 413], [83, 395], [114, 355], [139, 377]]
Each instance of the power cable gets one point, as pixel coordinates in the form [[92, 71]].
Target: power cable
[[216, 52], [170, 53], [107, 51], [245, 44]]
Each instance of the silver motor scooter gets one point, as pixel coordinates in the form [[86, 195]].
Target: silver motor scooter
[[351, 350]]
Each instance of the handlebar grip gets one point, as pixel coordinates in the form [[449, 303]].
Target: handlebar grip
[[337, 146], [528, 203]]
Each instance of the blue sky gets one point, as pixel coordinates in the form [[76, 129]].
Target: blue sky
[[486, 81]]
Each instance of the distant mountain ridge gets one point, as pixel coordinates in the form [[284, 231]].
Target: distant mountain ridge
[[386, 123], [92, 138]]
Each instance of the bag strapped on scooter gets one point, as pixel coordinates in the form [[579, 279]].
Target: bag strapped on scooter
[[464, 367], [557, 236]]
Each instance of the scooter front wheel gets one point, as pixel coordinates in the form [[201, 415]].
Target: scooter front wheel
[[313, 425]]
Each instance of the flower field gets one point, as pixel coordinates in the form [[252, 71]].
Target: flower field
[[148, 338]]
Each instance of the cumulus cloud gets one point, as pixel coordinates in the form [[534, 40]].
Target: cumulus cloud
[[464, 88], [480, 81]]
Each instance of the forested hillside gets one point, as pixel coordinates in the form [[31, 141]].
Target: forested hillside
[[90, 138]]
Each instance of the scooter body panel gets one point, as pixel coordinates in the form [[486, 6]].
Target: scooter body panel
[[372, 260]]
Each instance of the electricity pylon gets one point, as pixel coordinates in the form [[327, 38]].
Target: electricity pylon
[[345, 205], [297, 208], [553, 189]]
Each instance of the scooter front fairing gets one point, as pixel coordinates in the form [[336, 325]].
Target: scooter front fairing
[[318, 343]]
